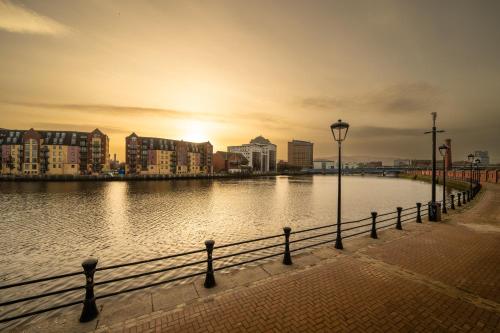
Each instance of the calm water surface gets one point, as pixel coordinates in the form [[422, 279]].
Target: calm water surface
[[49, 228]]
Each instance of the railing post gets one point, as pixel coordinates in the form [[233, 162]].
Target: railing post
[[89, 311], [464, 198], [374, 226], [419, 216], [452, 196], [287, 258], [209, 277], [468, 196], [459, 201], [398, 224]]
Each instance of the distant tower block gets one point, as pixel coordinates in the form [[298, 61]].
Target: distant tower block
[[448, 161]]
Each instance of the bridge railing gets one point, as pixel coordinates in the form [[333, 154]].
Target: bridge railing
[[215, 256]]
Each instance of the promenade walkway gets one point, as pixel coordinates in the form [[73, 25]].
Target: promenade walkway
[[430, 277]]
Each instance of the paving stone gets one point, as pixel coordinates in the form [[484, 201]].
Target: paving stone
[[165, 298]]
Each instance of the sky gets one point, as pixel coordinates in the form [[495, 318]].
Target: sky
[[228, 71]]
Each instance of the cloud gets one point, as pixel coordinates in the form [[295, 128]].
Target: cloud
[[403, 97], [71, 127], [375, 132], [109, 109], [17, 18], [268, 120]]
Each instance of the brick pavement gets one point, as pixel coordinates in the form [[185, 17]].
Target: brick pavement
[[441, 277]]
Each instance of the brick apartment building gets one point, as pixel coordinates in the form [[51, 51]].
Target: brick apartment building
[[158, 156], [32, 152]]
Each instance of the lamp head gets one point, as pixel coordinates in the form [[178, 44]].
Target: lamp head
[[339, 130], [443, 149], [470, 157], [478, 161]]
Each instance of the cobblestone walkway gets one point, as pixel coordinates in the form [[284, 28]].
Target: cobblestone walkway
[[442, 277]]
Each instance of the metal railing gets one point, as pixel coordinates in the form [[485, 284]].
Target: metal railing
[[369, 225]]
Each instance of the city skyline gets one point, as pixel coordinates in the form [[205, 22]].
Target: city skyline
[[229, 71]]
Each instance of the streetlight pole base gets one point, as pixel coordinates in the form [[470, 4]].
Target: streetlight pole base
[[434, 211], [338, 243]]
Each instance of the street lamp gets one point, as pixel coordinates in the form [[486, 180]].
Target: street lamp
[[339, 131], [443, 150], [478, 179], [433, 206], [470, 157]]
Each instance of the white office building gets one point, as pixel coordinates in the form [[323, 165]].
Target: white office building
[[483, 156], [323, 164], [260, 153]]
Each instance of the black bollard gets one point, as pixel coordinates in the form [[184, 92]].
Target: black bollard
[[287, 258], [459, 202], [374, 226], [468, 196], [464, 199], [452, 196], [398, 224], [419, 217], [89, 311], [209, 277]]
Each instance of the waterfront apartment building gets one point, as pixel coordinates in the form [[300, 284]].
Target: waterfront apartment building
[[33, 152], [300, 154], [260, 153], [158, 156]]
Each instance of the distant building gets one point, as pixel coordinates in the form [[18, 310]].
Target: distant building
[[371, 164], [350, 165], [157, 156], [32, 152], [260, 153], [421, 163], [401, 163], [483, 156], [229, 162], [300, 154], [323, 165]]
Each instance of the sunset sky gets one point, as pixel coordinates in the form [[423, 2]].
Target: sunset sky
[[227, 71]]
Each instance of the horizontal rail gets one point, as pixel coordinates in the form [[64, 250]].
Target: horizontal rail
[[312, 237], [248, 261], [358, 226], [149, 260], [133, 276], [32, 313], [247, 241], [247, 251], [386, 226], [50, 293], [311, 245], [314, 228], [150, 285], [356, 221], [49, 278], [358, 233]]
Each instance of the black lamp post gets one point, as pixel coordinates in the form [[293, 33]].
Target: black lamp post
[[478, 179], [470, 157], [339, 131], [433, 213], [443, 150]]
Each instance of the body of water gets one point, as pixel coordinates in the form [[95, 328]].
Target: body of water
[[51, 227]]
